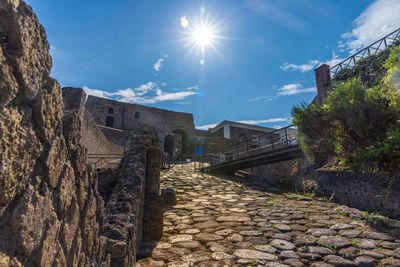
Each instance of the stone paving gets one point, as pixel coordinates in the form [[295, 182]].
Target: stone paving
[[223, 221]]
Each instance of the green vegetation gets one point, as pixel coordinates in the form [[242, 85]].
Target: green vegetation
[[374, 218], [355, 127]]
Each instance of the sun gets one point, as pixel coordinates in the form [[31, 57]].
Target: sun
[[202, 35]]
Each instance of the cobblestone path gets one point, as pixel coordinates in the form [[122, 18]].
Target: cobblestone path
[[223, 222]]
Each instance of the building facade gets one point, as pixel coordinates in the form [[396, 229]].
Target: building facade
[[175, 130]]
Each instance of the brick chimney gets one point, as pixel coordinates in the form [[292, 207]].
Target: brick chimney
[[322, 78]]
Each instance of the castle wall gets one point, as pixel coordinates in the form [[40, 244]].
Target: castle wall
[[142, 119]]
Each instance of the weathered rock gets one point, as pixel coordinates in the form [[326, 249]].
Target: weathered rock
[[189, 244], [333, 241], [283, 227], [235, 238], [293, 262], [365, 261], [339, 261], [50, 206], [321, 250], [282, 244], [304, 240], [254, 254], [251, 233], [289, 254], [233, 219], [221, 256], [365, 243], [57, 213], [179, 238], [266, 248]]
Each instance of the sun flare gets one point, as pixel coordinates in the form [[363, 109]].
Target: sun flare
[[202, 35]]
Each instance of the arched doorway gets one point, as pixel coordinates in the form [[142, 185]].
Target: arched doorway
[[169, 144]]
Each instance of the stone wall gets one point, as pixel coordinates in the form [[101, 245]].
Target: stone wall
[[134, 209], [92, 138], [51, 212], [370, 192], [279, 173], [143, 120]]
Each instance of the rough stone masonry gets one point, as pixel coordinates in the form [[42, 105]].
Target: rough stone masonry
[[51, 212]]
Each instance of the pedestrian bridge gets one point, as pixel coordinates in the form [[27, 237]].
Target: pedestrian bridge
[[275, 146]]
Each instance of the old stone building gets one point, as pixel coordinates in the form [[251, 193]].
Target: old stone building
[[117, 120]]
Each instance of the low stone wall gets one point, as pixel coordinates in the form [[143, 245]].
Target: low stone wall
[[134, 209], [370, 192], [279, 173]]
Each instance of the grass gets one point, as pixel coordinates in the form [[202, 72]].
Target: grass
[[353, 243], [253, 263], [374, 218]]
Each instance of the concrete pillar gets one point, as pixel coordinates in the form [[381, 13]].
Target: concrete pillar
[[322, 79], [227, 132]]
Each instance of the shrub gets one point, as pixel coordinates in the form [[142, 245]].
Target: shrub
[[355, 126]]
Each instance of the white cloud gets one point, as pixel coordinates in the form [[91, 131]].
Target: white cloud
[[159, 63], [294, 89], [172, 96], [207, 126], [255, 122], [184, 22], [157, 66], [302, 68], [148, 93], [288, 89], [145, 88], [377, 20], [257, 98], [312, 64], [334, 60], [196, 87], [183, 103], [95, 92]]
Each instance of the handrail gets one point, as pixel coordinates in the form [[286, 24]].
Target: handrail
[[351, 60], [277, 139]]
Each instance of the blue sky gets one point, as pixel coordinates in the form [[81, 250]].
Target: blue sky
[[257, 65]]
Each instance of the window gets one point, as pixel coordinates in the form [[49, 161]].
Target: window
[[137, 115], [109, 121], [110, 110]]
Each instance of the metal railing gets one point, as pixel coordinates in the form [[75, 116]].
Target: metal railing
[[377, 46], [278, 139], [104, 161]]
